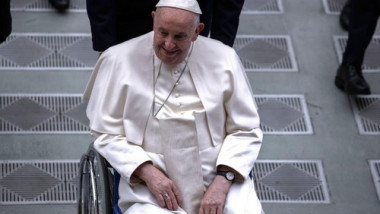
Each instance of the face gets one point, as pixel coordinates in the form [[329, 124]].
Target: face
[[174, 31]]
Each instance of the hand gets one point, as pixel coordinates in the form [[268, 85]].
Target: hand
[[164, 189], [215, 197]]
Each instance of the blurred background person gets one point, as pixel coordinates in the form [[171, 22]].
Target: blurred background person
[[115, 21], [5, 20], [363, 18], [344, 15], [221, 19]]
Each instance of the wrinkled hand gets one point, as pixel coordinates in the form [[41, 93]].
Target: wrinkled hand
[[215, 197], [164, 189]]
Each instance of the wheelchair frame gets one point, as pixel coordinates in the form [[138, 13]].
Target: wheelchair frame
[[98, 185]]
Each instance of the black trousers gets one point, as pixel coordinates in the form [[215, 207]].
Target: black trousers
[[5, 20], [115, 21], [363, 20], [221, 19]]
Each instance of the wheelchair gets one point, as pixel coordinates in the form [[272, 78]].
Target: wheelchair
[[98, 185]]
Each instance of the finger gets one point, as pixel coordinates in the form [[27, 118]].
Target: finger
[[173, 200], [213, 210], [201, 211], [219, 210], [208, 210], [177, 195], [168, 201], [161, 200]]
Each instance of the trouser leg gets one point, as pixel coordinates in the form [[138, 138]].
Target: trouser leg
[[206, 17], [362, 25], [225, 21], [5, 20]]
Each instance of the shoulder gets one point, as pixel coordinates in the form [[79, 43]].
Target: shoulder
[[213, 50], [126, 58], [214, 53], [132, 47]]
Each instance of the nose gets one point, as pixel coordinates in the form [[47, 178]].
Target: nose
[[169, 43]]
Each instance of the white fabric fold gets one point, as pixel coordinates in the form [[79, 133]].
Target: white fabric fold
[[180, 146]]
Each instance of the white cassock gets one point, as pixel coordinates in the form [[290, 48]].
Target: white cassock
[[209, 119]]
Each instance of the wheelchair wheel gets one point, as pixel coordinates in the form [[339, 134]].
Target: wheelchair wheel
[[94, 195]]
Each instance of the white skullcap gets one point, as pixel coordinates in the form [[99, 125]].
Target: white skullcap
[[189, 5]]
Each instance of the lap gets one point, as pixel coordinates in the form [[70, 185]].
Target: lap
[[144, 208]]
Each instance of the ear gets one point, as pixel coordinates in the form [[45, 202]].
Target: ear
[[153, 16], [200, 27], [198, 30]]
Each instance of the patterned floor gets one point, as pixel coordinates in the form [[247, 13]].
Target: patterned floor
[[41, 182], [47, 51]]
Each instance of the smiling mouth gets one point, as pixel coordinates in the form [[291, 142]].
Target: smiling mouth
[[169, 53]]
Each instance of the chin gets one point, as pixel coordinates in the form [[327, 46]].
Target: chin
[[170, 61]]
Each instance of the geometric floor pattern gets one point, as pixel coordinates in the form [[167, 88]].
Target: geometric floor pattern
[[43, 182], [47, 52], [38, 182], [375, 170], [65, 114], [284, 114], [366, 109], [35, 113], [371, 61], [333, 7], [44, 5], [288, 181], [266, 53], [263, 7]]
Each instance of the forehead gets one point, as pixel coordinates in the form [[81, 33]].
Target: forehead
[[174, 17]]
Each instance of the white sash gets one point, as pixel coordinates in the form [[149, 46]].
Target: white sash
[[181, 153]]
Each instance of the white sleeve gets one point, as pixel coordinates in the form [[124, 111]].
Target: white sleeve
[[124, 157], [243, 139]]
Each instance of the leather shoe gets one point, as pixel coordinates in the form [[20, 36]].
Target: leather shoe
[[60, 4], [351, 80]]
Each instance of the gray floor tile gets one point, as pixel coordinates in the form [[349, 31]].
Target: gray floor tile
[[266, 53], [371, 61], [263, 7], [333, 6], [38, 182], [44, 5], [47, 52], [46, 113], [366, 109], [375, 170], [290, 181], [284, 114]]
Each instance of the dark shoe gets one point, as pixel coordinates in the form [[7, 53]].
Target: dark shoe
[[350, 79], [60, 4], [344, 16]]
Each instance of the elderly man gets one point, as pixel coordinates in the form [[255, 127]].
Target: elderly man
[[174, 114]]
